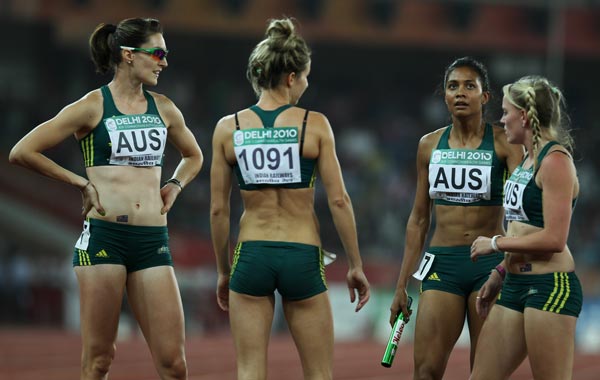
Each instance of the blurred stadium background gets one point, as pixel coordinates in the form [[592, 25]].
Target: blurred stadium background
[[377, 72]]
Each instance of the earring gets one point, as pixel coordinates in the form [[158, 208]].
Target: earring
[[129, 62]]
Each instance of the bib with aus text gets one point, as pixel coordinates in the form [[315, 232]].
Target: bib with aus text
[[514, 188], [460, 175], [136, 140], [268, 155]]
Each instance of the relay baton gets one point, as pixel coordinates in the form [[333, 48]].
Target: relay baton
[[392, 345]]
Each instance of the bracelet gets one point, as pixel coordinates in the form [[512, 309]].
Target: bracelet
[[495, 244], [174, 181], [501, 271]]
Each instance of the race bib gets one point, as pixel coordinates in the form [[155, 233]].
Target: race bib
[[514, 189], [460, 175], [84, 239], [136, 140], [425, 266], [268, 155]]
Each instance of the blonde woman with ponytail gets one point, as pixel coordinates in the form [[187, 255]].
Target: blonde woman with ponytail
[[275, 149], [539, 295]]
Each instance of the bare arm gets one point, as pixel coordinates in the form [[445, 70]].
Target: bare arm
[[83, 114], [77, 118], [220, 193], [184, 141], [557, 179], [341, 209], [417, 228]]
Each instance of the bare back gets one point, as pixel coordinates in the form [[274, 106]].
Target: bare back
[[272, 213]]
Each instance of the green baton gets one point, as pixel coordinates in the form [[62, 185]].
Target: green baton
[[392, 345]]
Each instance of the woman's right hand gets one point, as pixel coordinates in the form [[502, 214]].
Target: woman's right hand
[[399, 305], [488, 293], [223, 291], [90, 199]]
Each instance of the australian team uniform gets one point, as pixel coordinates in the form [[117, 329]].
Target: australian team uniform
[[462, 177], [556, 292], [272, 158], [124, 140]]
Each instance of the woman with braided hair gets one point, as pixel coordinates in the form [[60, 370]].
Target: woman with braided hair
[[541, 297]]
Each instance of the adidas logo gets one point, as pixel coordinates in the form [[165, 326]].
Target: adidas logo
[[102, 253], [434, 277], [163, 249]]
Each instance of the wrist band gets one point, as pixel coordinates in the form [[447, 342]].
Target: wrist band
[[174, 181], [501, 271], [495, 244]]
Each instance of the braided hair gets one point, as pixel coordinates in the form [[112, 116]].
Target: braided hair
[[543, 104]]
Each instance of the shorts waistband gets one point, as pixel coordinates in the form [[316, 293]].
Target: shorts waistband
[[457, 249], [127, 227], [275, 244]]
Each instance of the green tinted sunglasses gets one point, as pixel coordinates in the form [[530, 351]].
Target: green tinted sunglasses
[[157, 53]]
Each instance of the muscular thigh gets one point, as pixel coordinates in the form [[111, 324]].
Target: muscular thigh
[[154, 297], [550, 343], [101, 290], [501, 346], [440, 319]]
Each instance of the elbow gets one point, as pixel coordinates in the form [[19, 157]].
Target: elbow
[[217, 211], [16, 156], [339, 202], [557, 245]]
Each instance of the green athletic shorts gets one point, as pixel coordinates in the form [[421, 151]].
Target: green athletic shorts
[[295, 270], [454, 272], [558, 292], [135, 247]]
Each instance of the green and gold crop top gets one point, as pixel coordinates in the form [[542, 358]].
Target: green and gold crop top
[[466, 177], [522, 196], [272, 157], [125, 140]]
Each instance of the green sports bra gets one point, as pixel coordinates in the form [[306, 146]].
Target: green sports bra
[[125, 140], [466, 177], [522, 197], [271, 157]]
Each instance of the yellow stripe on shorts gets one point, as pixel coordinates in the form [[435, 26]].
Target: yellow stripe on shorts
[[557, 299], [236, 256], [84, 258]]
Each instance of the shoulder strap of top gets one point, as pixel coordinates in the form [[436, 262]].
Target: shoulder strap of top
[[152, 109], [303, 132], [237, 122], [544, 152], [110, 108], [443, 141]]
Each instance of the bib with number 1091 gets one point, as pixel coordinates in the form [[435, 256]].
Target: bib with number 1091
[[268, 155], [460, 175]]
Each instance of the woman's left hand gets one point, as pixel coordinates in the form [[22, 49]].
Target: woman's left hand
[[481, 246], [168, 193]]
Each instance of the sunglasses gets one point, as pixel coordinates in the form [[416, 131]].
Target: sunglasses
[[157, 54]]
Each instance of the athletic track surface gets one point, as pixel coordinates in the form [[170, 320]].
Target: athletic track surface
[[37, 354]]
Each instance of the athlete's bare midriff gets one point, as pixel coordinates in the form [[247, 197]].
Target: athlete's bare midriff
[[539, 263], [461, 225], [279, 215], [131, 194]]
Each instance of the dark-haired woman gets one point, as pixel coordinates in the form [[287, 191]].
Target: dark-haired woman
[[122, 130], [276, 149], [460, 175]]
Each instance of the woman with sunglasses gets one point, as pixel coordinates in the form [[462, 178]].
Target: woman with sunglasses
[[275, 149], [122, 130]]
